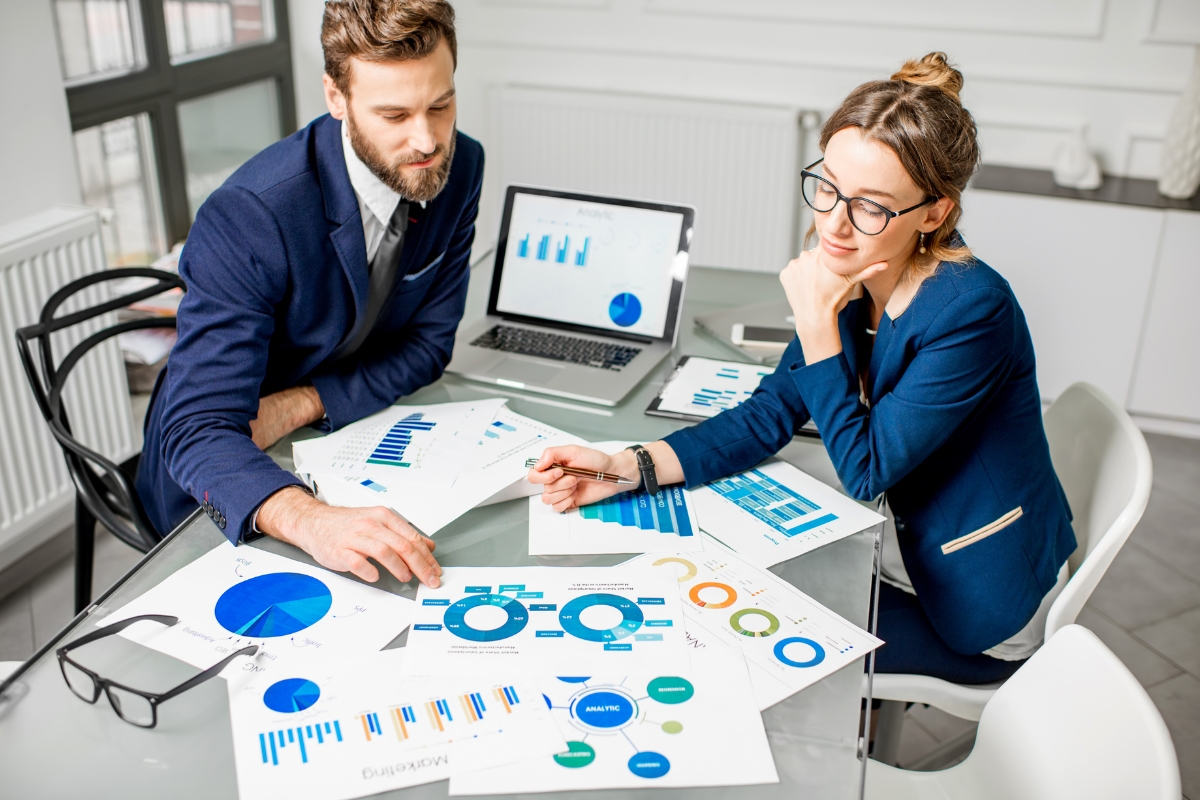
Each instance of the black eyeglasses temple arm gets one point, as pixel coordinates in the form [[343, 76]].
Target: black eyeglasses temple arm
[[208, 673], [117, 627]]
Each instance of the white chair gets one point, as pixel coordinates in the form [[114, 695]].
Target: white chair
[[1072, 722], [1104, 466]]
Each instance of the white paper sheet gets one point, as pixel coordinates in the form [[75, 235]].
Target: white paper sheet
[[646, 729], [334, 729], [232, 597], [423, 445], [776, 512], [793, 639], [546, 621], [630, 522], [497, 463], [704, 387]]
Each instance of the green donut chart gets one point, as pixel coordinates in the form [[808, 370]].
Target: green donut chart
[[456, 618], [735, 622], [631, 617]]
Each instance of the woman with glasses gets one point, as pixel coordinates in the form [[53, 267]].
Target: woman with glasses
[[915, 362]]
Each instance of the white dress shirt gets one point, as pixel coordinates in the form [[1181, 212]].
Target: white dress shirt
[[376, 200]]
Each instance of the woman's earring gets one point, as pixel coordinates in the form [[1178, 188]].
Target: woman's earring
[[921, 244]]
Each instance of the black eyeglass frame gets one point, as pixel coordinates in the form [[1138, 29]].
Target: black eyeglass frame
[[889, 214], [154, 699]]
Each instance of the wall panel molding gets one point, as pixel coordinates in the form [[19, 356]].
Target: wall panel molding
[[1174, 22]]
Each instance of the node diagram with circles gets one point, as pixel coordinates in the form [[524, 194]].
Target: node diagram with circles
[[546, 618]]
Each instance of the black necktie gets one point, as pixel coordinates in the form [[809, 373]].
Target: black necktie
[[383, 270]]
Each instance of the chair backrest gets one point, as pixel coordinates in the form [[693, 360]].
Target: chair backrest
[[1072, 722], [1104, 466], [103, 487]]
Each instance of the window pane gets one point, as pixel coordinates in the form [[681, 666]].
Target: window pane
[[117, 172], [200, 28], [98, 37], [221, 131]]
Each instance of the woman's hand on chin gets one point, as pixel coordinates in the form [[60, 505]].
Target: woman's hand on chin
[[565, 492], [816, 295]]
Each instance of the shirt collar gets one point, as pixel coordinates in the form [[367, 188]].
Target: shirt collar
[[376, 195]]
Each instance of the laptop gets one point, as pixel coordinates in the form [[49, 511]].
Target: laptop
[[586, 295]]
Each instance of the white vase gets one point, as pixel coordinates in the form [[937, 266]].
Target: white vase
[[1180, 175], [1075, 166]]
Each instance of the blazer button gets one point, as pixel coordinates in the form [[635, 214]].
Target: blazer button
[[221, 524]]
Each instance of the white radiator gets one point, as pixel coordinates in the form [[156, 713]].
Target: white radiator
[[737, 164], [39, 255]]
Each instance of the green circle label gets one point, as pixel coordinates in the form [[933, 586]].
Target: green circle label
[[672, 727], [579, 754], [670, 690], [772, 622]]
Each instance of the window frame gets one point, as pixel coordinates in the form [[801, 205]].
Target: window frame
[[158, 88]]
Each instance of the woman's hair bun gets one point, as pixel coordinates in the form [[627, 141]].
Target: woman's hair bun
[[932, 70]]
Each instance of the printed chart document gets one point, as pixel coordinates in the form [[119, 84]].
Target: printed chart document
[[776, 512], [629, 522], [546, 621], [496, 464], [334, 729], [425, 445], [704, 387], [232, 597], [645, 729], [793, 640]]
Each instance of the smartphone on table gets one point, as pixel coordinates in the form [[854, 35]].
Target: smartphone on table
[[765, 338]]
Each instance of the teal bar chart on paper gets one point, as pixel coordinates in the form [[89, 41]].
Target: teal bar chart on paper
[[629, 522], [704, 387]]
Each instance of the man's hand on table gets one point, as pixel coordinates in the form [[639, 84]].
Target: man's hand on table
[[342, 539], [283, 412]]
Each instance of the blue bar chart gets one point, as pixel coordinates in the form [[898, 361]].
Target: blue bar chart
[[665, 512], [771, 502], [563, 251], [390, 451]]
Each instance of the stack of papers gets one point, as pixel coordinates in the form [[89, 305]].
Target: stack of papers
[[430, 464]]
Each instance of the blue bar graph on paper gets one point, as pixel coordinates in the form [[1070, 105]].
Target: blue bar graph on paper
[[771, 502], [272, 745], [665, 512], [390, 450], [582, 254], [523, 247]]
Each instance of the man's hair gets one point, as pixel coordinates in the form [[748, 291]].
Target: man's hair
[[383, 30]]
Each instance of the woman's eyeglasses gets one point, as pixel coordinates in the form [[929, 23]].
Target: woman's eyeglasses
[[866, 215], [132, 705]]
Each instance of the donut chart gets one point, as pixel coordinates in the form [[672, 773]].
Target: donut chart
[[772, 623], [568, 617], [689, 567], [818, 652], [730, 594], [456, 618]]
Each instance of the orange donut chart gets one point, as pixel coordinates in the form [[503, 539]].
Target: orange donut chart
[[730, 595], [689, 567]]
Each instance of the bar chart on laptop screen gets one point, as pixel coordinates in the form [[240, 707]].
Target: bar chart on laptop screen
[[589, 263]]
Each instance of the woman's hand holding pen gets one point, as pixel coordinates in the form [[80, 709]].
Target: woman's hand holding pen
[[817, 294], [565, 492]]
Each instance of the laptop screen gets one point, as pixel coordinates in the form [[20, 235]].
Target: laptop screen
[[591, 263]]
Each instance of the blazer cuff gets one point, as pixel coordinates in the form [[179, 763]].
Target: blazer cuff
[[240, 525], [339, 411], [824, 386]]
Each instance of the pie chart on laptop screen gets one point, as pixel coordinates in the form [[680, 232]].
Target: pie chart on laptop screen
[[275, 604], [625, 309]]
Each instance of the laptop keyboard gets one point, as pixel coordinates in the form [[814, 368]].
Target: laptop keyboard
[[557, 347]]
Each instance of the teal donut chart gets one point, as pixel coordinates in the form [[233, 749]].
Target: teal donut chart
[[818, 652], [631, 617], [456, 618]]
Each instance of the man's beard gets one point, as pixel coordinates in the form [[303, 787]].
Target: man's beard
[[420, 185]]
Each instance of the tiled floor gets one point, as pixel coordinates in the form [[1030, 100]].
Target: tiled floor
[[1147, 610]]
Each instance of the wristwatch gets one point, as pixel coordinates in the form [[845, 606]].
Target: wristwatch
[[646, 467]]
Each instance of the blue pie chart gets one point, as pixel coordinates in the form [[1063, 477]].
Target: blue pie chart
[[276, 604], [631, 617], [625, 309], [291, 695]]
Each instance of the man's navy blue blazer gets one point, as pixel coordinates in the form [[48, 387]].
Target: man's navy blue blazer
[[953, 434], [276, 269]]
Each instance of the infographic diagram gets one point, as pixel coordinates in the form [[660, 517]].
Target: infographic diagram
[[541, 618], [791, 638], [230, 598], [645, 729]]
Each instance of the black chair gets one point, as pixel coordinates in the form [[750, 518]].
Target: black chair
[[104, 490]]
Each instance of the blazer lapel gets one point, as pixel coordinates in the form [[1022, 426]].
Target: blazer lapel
[[341, 209]]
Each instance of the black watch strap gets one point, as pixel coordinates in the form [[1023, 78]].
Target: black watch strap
[[646, 467]]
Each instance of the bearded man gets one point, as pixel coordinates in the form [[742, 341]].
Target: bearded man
[[326, 279]]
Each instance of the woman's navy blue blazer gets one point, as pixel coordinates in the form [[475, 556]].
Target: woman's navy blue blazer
[[953, 434]]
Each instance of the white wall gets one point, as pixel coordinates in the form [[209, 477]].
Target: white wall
[[304, 17], [37, 154]]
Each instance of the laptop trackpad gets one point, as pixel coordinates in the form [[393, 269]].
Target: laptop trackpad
[[516, 369]]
